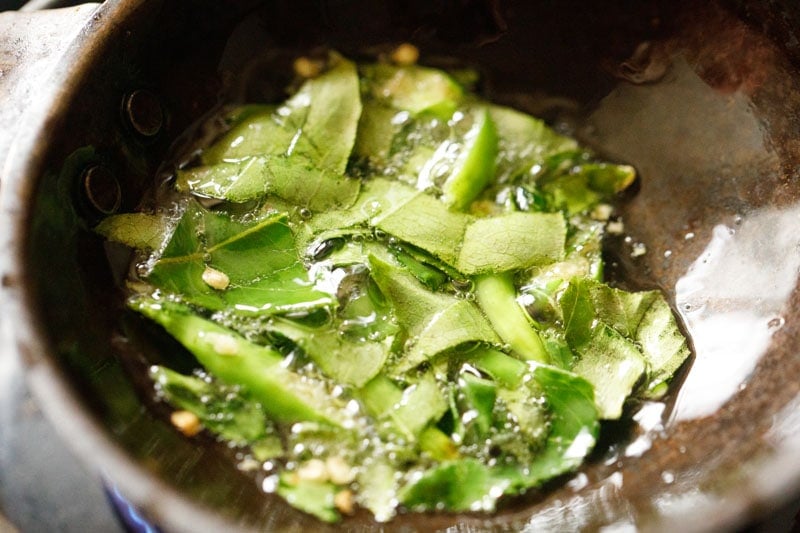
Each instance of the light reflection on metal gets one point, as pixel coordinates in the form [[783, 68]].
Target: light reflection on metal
[[732, 300], [786, 426], [602, 504], [677, 504], [649, 418]]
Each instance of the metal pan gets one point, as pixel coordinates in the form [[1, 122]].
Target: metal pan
[[701, 97]]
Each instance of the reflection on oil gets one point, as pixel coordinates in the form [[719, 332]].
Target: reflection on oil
[[678, 129], [786, 425], [711, 140], [679, 504], [649, 419], [731, 301], [604, 501], [701, 153]]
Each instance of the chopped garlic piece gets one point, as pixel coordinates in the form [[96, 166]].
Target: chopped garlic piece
[[313, 470], [405, 54], [216, 279], [615, 227], [602, 212], [307, 68], [339, 471], [344, 501], [186, 422], [248, 464], [223, 344]]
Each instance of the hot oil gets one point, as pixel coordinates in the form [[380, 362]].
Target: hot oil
[[694, 215], [563, 113], [723, 251], [709, 157], [718, 218]]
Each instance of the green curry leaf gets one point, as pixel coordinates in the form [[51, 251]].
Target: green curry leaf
[[142, 231], [221, 409], [523, 142], [620, 336], [313, 497], [435, 322], [351, 362], [471, 485], [319, 122], [294, 179], [258, 258], [401, 277], [512, 242]]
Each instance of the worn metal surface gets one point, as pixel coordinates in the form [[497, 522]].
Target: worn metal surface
[[42, 485], [32, 44]]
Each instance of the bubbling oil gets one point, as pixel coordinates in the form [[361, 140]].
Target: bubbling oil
[[306, 443]]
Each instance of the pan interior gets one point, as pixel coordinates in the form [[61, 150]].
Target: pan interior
[[698, 98]]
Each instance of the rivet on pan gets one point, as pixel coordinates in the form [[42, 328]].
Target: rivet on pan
[[102, 189], [144, 113]]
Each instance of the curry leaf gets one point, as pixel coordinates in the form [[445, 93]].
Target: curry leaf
[[427, 224], [319, 122], [351, 362], [254, 131], [479, 395], [578, 314], [136, 230], [259, 260], [576, 185], [469, 484], [379, 198], [512, 242], [314, 497], [523, 142], [376, 129], [293, 179], [421, 403], [325, 133], [509, 242], [222, 409], [461, 485], [413, 88], [284, 395], [456, 323], [573, 423], [570, 193], [299, 152], [618, 336], [622, 310], [663, 345], [645, 319], [435, 322], [613, 366]]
